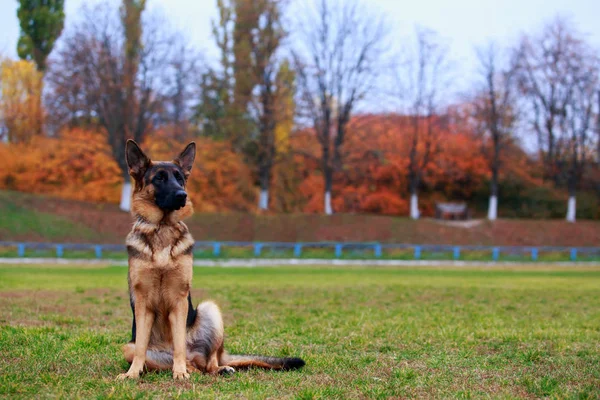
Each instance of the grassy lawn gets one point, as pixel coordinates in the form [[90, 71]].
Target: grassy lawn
[[17, 221], [525, 332]]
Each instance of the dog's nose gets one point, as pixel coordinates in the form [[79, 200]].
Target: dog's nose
[[180, 195]]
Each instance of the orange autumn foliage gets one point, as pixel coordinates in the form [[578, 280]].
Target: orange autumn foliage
[[372, 179], [374, 175], [76, 165]]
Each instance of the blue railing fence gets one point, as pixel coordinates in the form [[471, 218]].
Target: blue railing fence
[[337, 249]]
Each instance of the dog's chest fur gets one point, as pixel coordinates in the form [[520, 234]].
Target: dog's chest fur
[[160, 262], [159, 245]]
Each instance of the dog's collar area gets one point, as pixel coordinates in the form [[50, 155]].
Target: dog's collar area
[[168, 218]]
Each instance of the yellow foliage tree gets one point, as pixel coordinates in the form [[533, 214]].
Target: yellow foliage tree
[[21, 108], [285, 108]]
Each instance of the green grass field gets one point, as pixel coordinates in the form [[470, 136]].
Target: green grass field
[[519, 332], [16, 221]]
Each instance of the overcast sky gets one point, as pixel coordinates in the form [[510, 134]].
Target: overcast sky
[[463, 23]]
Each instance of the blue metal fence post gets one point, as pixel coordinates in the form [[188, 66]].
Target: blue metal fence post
[[98, 250], [297, 250], [534, 254], [522, 251], [378, 250], [456, 253], [21, 249], [257, 249], [496, 253], [216, 249], [417, 252], [338, 250]]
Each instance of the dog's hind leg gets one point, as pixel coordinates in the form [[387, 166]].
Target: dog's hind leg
[[156, 360], [205, 340]]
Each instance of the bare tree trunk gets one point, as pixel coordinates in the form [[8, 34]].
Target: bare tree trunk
[[414, 196], [598, 141], [328, 208], [413, 177], [118, 151], [571, 209], [266, 142], [125, 204], [413, 173], [328, 177], [414, 205], [265, 179], [573, 172], [493, 206], [572, 204], [572, 181]]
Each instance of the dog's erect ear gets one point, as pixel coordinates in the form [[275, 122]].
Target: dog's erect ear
[[186, 159], [137, 161]]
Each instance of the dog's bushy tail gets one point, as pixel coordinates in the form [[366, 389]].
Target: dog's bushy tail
[[247, 361]]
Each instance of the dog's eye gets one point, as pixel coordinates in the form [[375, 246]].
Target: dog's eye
[[178, 177], [160, 176]]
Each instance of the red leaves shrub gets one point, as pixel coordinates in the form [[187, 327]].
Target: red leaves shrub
[[373, 177]]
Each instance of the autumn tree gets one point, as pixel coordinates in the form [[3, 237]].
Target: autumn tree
[[597, 138], [262, 87], [181, 91], [21, 110], [114, 76], [240, 101], [598, 128], [421, 76], [551, 67], [494, 113], [276, 110], [340, 45], [131, 20], [41, 23], [214, 111], [579, 121]]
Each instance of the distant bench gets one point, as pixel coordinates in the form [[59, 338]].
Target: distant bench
[[452, 211]]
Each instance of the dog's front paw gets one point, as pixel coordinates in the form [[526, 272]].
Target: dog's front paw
[[128, 375], [180, 375]]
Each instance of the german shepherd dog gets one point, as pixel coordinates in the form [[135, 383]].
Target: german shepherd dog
[[168, 332]]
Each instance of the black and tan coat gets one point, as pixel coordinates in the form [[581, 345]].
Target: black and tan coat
[[167, 331]]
